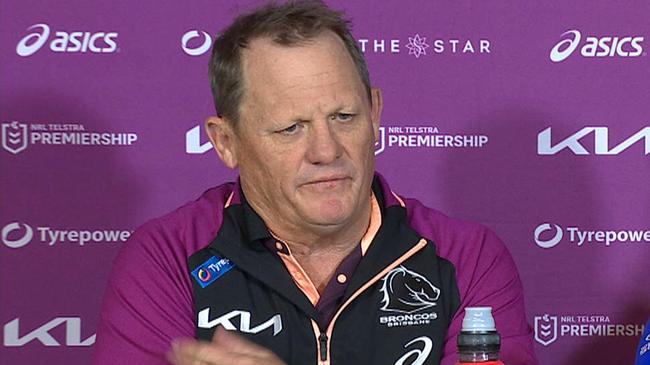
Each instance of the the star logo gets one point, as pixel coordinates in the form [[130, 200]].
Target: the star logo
[[417, 46]]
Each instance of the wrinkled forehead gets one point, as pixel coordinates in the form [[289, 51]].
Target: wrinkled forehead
[[274, 71]]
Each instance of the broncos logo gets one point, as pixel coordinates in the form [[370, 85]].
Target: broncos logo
[[406, 291]]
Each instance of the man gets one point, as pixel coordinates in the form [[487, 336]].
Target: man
[[309, 257]]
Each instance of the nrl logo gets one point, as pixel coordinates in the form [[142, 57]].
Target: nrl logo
[[405, 291], [380, 145], [14, 137], [545, 329]]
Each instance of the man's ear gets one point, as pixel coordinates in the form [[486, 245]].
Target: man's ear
[[375, 112], [223, 138]]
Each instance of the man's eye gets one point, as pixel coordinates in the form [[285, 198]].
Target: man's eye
[[344, 117], [289, 130]]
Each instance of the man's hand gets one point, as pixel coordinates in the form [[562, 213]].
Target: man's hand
[[226, 348]]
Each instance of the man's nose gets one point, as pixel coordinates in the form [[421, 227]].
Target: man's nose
[[324, 145]]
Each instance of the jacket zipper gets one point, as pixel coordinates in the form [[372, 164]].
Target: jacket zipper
[[325, 338], [321, 344], [322, 340]]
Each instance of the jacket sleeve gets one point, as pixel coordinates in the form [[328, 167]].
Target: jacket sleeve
[[487, 276], [148, 301]]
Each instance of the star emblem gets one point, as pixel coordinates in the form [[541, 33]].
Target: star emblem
[[417, 46]]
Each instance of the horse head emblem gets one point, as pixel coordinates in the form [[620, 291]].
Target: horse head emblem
[[405, 291]]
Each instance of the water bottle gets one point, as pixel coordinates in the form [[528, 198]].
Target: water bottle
[[478, 341]]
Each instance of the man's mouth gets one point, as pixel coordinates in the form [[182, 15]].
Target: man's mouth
[[326, 182], [327, 179]]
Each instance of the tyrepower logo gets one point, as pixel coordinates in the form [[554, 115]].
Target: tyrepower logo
[[601, 145], [16, 136], [605, 46], [68, 42], [548, 235], [550, 328], [17, 235], [70, 337], [196, 43], [548, 241]]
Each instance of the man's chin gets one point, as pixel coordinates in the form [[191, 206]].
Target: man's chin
[[327, 209], [329, 216]]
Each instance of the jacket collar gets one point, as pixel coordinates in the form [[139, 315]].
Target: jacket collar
[[254, 228], [242, 234]]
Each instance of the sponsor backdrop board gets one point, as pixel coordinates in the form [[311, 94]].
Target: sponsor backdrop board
[[531, 118]]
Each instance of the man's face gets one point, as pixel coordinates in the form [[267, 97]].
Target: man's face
[[305, 140]]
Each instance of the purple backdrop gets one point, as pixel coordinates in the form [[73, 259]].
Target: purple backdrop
[[530, 118]]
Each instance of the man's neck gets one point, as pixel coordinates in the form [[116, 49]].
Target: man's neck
[[320, 249], [319, 255], [318, 241]]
